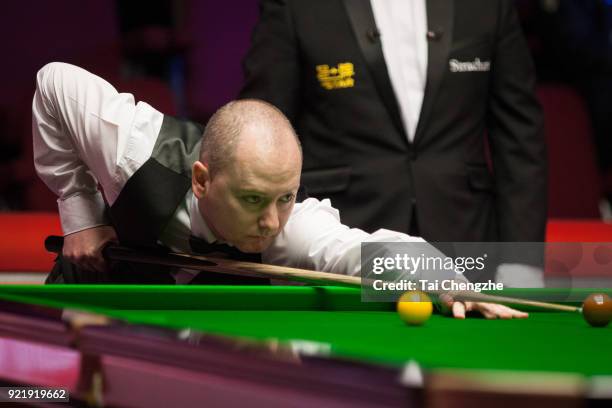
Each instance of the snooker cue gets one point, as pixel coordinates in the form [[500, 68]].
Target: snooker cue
[[114, 252]]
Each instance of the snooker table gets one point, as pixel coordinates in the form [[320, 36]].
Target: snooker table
[[290, 346]]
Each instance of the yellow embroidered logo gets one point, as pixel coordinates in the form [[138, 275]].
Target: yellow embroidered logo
[[336, 77]]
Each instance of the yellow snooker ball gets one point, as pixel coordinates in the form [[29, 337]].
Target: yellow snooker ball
[[414, 308]]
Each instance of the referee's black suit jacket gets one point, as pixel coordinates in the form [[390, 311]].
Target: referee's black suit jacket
[[479, 97]]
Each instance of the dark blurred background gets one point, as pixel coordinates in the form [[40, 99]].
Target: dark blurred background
[[184, 58]]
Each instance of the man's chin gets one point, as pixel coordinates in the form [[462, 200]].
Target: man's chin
[[255, 246]]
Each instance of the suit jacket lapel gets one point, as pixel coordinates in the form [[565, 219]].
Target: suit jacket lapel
[[364, 26], [439, 21]]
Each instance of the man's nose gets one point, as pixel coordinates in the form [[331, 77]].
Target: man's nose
[[268, 221]]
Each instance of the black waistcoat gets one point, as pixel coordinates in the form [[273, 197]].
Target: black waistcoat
[[148, 200]]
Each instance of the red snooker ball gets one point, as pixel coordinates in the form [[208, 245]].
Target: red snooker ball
[[597, 309]]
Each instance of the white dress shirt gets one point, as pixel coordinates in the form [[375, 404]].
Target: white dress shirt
[[86, 133], [403, 32]]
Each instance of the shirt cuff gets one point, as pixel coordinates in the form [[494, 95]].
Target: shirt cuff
[[82, 211]]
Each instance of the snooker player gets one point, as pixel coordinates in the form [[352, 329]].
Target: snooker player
[[165, 182]]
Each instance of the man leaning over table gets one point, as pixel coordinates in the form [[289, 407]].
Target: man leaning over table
[[166, 182]]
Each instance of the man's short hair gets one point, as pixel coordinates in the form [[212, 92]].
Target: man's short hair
[[222, 131]]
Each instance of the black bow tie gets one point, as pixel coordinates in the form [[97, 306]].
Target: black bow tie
[[203, 247]]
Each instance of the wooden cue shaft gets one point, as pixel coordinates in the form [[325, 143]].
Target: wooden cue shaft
[[251, 269], [279, 272], [203, 263]]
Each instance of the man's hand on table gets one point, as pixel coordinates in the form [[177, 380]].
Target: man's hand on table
[[458, 309], [84, 248]]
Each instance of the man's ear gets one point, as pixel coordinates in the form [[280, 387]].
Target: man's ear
[[200, 179]]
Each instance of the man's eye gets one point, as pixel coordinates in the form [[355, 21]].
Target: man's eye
[[252, 199], [287, 198]]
